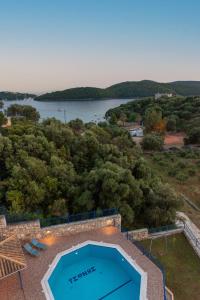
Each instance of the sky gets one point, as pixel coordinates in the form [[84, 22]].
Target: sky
[[48, 45]]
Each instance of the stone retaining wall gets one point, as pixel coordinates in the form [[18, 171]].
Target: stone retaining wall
[[77, 227], [166, 233], [24, 229], [2, 222], [191, 231], [27, 230], [140, 234]]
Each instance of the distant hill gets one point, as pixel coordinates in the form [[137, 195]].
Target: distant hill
[[129, 89], [74, 94], [142, 88], [186, 88], [15, 96]]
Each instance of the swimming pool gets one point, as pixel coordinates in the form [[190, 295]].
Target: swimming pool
[[94, 271]]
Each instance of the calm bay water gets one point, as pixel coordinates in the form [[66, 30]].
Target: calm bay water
[[87, 110]]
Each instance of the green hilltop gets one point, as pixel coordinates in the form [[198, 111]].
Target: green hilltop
[[15, 96], [129, 89]]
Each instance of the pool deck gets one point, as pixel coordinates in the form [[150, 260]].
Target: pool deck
[[37, 267]]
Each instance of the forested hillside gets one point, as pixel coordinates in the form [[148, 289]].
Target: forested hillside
[[73, 94], [129, 89], [15, 96], [51, 169]]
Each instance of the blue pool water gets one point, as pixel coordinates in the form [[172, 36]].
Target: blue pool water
[[96, 273]]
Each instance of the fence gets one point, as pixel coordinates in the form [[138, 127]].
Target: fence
[[151, 257], [16, 218], [44, 222], [162, 228]]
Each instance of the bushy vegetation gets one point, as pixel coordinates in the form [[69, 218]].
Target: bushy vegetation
[[181, 169], [2, 117], [153, 142], [193, 136], [51, 168], [26, 112], [180, 165]]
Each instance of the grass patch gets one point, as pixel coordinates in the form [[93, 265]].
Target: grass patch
[[181, 264], [182, 171]]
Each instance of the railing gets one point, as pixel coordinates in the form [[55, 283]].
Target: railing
[[192, 236], [44, 222], [151, 257], [78, 217], [16, 218], [162, 228]]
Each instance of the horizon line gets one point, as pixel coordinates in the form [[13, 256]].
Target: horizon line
[[91, 86]]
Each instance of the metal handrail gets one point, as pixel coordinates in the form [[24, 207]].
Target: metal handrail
[[44, 222], [163, 228]]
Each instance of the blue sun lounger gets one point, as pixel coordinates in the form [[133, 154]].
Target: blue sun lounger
[[30, 250], [38, 245]]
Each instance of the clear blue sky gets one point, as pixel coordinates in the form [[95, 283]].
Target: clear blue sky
[[56, 44]]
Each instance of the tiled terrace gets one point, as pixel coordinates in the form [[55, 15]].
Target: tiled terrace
[[37, 267]]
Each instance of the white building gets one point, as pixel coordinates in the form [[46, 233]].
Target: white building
[[138, 132], [159, 95]]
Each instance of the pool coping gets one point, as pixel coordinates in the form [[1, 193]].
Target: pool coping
[[45, 285]]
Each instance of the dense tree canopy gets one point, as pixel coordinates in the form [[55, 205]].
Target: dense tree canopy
[[53, 168], [24, 111]]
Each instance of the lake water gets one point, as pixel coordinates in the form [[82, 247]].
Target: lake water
[[87, 110]]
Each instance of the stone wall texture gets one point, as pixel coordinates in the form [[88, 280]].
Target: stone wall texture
[[2, 221], [77, 227], [140, 234], [31, 229]]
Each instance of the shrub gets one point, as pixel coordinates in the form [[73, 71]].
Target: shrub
[[191, 172], [181, 165], [193, 136], [173, 172], [163, 163], [2, 118], [181, 177], [157, 157], [153, 142], [132, 117], [171, 123]]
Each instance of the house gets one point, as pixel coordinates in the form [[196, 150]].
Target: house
[[137, 132], [159, 95]]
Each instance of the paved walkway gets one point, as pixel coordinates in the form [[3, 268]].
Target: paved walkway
[[37, 267]]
